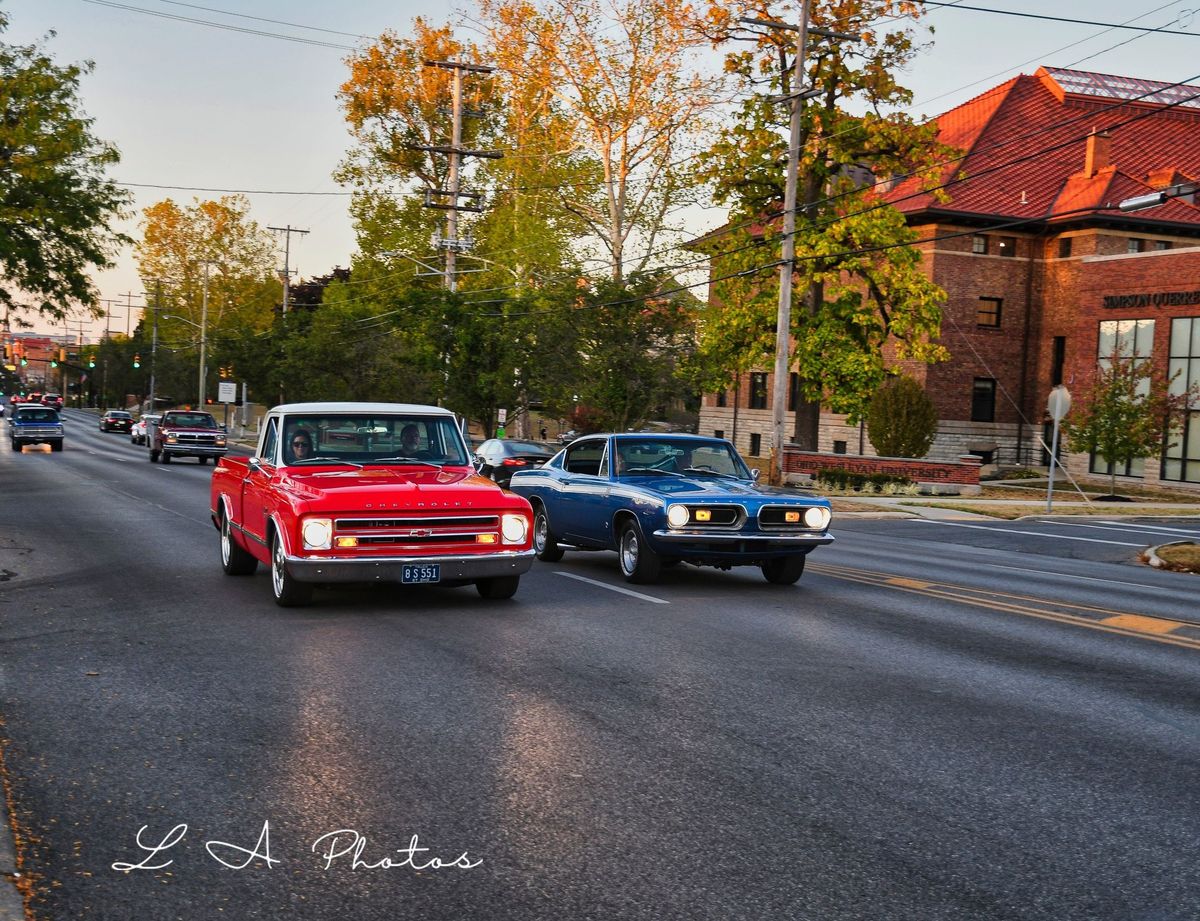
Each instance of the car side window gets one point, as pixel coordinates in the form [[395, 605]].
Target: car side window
[[269, 442], [585, 458], [604, 462]]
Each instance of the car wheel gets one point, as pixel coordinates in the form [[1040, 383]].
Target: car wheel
[[154, 457], [288, 592], [784, 570], [547, 548], [56, 445], [639, 563], [498, 587], [234, 560]]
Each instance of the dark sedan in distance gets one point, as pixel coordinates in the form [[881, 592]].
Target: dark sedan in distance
[[499, 458], [659, 500], [116, 420]]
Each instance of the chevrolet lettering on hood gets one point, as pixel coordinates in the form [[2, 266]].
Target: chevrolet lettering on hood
[[367, 492]]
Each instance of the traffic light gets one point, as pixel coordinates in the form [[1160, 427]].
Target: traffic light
[[7, 352], [91, 361], [137, 361], [62, 356]]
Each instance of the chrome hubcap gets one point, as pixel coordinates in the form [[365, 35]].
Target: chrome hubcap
[[540, 528], [629, 551], [225, 549], [277, 568]]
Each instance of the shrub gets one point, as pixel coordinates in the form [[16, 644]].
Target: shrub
[[901, 419], [835, 478]]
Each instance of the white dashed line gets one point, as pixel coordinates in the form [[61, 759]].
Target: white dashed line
[[614, 588]]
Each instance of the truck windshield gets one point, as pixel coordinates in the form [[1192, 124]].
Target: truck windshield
[[187, 420], [386, 440]]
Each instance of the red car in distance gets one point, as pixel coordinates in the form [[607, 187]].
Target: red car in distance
[[53, 400]]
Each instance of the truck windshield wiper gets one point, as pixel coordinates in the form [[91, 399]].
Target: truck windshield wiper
[[324, 460], [405, 460]]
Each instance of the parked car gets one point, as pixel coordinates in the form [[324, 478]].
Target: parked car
[[367, 492], [498, 458], [116, 420], [32, 423], [659, 500], [565, 438], [137, 433], [53, 400]]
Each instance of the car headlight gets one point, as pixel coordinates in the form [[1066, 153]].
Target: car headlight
[[514, 528], [678, 516], [317, 533], [817, 518]]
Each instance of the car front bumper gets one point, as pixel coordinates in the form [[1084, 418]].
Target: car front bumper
[[734, 546], [388, 569]]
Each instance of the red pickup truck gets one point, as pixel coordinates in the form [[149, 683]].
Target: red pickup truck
[[367, 492], [185, 433]]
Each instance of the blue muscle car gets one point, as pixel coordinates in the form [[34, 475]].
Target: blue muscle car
[[663, 499]]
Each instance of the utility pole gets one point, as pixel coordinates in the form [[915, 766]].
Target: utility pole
[[286, 274], [451, 243], [795, 95], [203, 333], [129, 296], [154, 338]]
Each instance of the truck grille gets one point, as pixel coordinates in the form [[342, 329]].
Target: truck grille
[[194, 438], [428, 530]]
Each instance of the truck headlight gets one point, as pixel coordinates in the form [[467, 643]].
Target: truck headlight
[[172, 438], [817, 518], [514, 528], [220, 441], [678, 516], [317, 533]]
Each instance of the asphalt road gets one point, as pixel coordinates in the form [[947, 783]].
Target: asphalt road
[[937, 722]]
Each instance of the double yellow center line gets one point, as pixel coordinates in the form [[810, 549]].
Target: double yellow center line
[[1142, 626]]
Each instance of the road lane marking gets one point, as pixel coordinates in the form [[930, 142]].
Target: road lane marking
[[909, 583], [1119, 527], [1073, 577], [1141, 626], [983, 527], [615, 588]]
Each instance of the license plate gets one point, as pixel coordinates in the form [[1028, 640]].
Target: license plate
[[431, 572]]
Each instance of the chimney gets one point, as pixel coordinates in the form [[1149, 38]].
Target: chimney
[[1099, 153]]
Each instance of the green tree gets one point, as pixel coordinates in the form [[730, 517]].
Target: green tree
[[902, 420], [858, 285], [1126, 412], [56, 205]]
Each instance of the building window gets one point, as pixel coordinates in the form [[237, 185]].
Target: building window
[[718, 433], [721, 398], [1162, 244], [1058, 359], [755, 444], [988, 313], [1064, 247], [1134, 245], [1182, 461], [1008, 246], [793, 391], [1126, 339], [758, 390], [839, 447], [983, 400], [979, 244]]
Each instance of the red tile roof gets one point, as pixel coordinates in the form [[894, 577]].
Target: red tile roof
[[1025, 143]]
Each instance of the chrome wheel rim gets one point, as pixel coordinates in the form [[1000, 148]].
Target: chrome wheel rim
[[277, 569], [541, 527], [225, 538], [629, 551]]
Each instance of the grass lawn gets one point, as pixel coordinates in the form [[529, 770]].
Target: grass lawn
[[1181, 557]]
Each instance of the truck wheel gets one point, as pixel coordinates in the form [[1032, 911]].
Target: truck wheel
[[16, 445], [288, 592], [785, 570], [234, 560], [639, 563], [154, 457], [203, 460], [498, 587], [544, 543], [56, 445], [166, 458]]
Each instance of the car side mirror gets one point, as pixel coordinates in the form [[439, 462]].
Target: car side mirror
[[255, 463], [754, 474]]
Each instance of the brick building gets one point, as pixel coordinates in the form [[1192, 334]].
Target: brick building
[[1043, 272]]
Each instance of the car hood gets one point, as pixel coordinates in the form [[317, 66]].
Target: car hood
[[696, 488], [398, 487]]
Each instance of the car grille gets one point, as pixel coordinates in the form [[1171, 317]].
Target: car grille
[[191, 438], [720, 516], [773, 518], [426, 530]]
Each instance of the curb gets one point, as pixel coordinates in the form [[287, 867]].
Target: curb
[[1153, 559]]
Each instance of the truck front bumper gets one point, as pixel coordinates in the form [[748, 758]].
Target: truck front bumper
[[389, 569]]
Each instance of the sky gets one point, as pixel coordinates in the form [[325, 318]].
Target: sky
[[204, 108]]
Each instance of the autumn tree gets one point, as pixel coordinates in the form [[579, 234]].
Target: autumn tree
[[181, 247], [858, 285], [56, 205], [1127, 411], [629, 96]]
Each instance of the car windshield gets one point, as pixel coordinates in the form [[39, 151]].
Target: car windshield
[[37, 415], [382, 439], [652, 456]]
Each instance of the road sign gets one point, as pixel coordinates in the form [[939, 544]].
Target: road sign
[[226, 391], [503, 415], [1059, 403]]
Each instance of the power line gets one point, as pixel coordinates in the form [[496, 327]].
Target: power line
[[1042, 16]]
